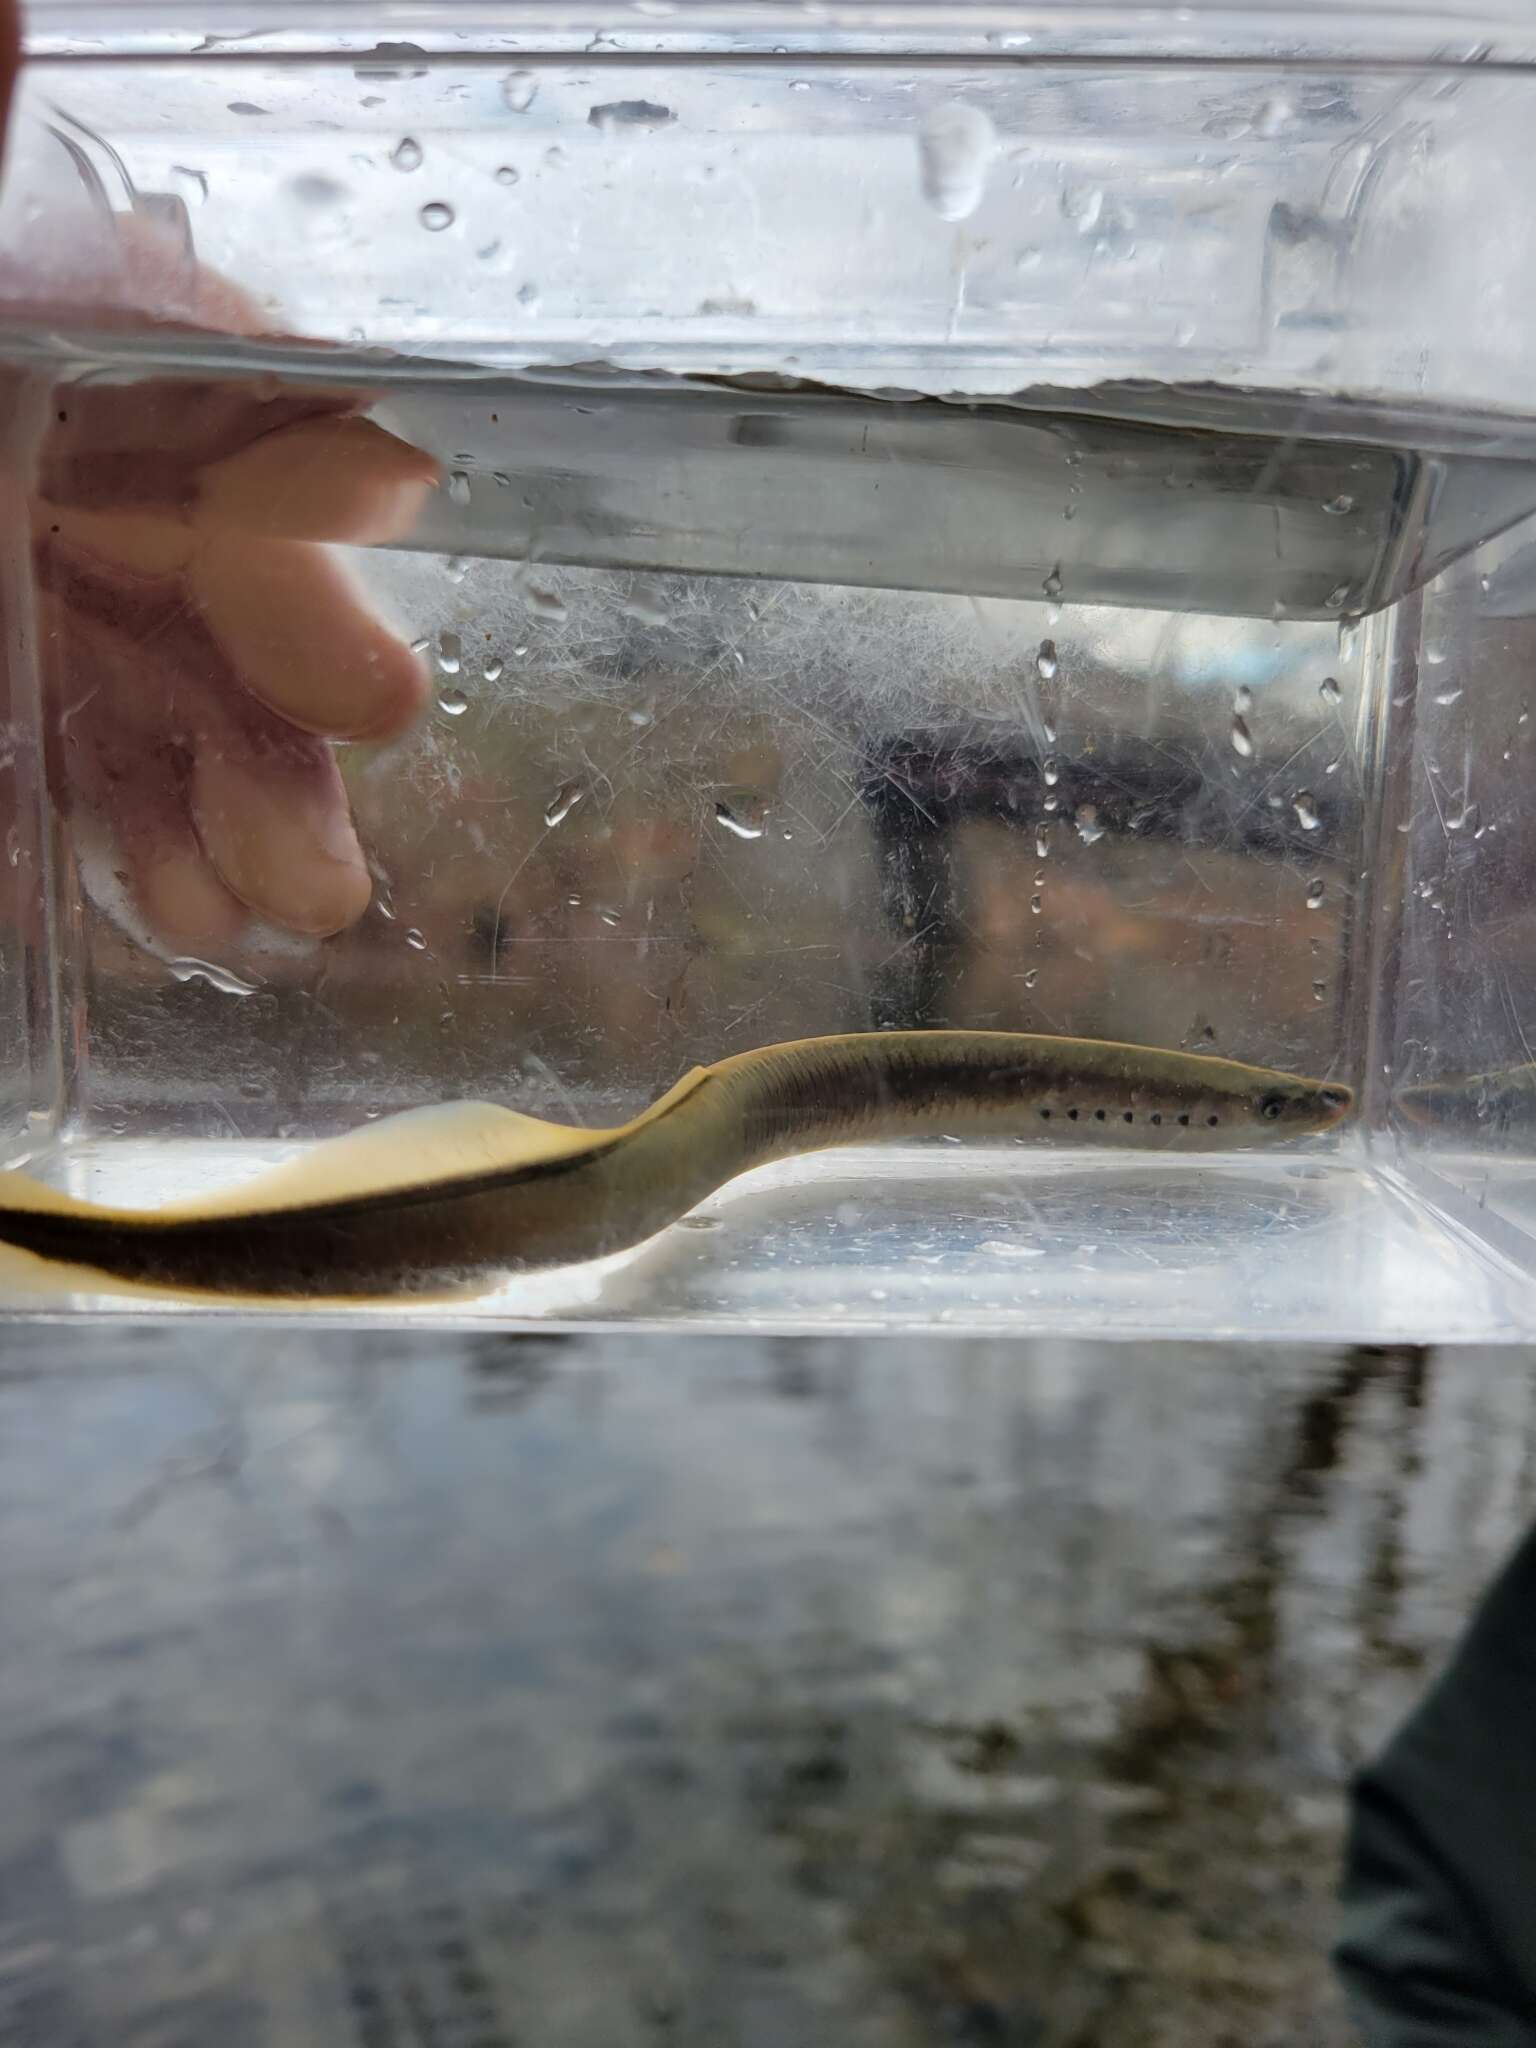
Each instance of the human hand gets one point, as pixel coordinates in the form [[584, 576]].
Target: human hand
[[199, 645]]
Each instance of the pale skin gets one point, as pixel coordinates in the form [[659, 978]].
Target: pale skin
[[200, 646]]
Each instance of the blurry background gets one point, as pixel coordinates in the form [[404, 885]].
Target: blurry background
[[653, 820], [462, 1692]]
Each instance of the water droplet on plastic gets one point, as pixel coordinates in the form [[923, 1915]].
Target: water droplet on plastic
[[546, 604], [12, 846], [955, 147], [415, 941], [493, 669], [743, 828], [1340, 505], [1045, 660], [562, 803], [406, 154], [1042, 843], [1083, 205], [508, 174], [1242, 738], [610, 917], [1052, 584], [450, 652], [456, 567], [453, 703], [225, 980], [528, 294], [1304, 804], [1315, 893], [1328, 689], [645, 607], [1338, 597], [1242, 699], [1448, 697], [519, 89], [458, 487], [554, 157], [1319, 991], [1051, 803], [1089, 830], [1031, 976], [436, 215], [1050, 770], [1036, 905]]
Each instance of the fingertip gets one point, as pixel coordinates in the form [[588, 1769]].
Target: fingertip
[[275, 824], [399, 686], [298, 630], [184, 902], [334, 479]]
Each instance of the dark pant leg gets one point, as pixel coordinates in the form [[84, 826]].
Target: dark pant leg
[[1439, 1903]]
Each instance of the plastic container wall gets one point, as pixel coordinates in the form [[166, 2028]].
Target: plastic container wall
[[958, 537]]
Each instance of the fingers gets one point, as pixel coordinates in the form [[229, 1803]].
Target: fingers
[[335, 478], [212, 808], [179, 894], [125, 786], [271, 814], [140, 447], [287, 618], [332, 479], [244, 532], [296, 628]]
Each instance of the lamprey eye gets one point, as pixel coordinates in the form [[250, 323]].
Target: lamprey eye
[[1271, 1107]]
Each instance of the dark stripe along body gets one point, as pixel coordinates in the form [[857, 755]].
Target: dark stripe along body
[[473, 1189]]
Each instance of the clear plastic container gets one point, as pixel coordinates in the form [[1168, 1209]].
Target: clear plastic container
[[1001, 519]]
